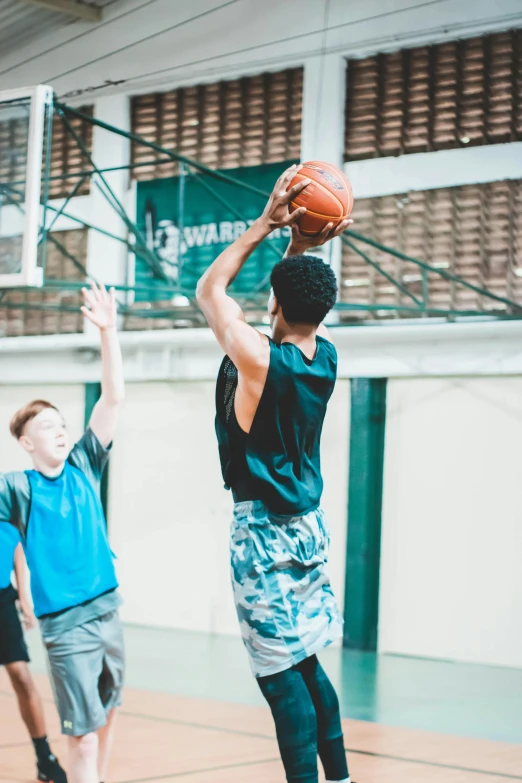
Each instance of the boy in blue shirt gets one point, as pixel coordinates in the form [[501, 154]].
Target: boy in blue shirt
[[15, 656], [56, 508]]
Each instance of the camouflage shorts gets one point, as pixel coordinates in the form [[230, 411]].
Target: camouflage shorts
[[284, 601]]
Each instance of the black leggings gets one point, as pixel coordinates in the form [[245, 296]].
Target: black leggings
[[308, 721]]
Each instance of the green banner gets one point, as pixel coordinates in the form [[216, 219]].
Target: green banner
[[189, 220]]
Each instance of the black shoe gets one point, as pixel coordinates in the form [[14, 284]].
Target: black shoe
[[50, 771]]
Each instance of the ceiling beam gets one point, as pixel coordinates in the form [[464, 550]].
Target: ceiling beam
[[75, 8]]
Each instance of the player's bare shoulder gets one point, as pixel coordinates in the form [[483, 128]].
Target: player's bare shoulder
[[248, 348], [323, 332]]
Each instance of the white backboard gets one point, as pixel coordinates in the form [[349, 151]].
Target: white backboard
[[23, 116]]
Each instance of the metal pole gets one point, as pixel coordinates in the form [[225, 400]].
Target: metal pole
[[60, 211], [154, 262], [181, 218], [173, 155], [55, 242], [45, 231], [429, 268], [379, 269], [108, 170]]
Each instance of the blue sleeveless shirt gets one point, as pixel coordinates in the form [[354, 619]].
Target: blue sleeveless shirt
[[278, 461]]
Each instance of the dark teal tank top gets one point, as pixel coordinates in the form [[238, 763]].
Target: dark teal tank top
[[278, 462]]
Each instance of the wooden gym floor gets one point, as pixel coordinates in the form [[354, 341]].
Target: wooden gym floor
[[166, 737]]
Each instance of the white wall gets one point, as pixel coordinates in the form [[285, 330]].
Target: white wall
[[432, 170], [172, 43], [70, 400], [169, 516], [334, 463], [381, 350], [169, 513], [451, 576]]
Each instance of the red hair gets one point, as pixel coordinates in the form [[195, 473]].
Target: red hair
[[25, 414]]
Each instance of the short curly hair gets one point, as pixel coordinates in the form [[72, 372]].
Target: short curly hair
[[305, 287]]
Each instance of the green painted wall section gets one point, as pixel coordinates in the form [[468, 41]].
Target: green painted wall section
[[367, 429], [92, 395]]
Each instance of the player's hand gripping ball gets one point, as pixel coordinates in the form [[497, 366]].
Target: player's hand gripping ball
[[328, 198]]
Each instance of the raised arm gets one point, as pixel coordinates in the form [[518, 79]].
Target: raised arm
[[100, 309], [241, 342], [20, 569]]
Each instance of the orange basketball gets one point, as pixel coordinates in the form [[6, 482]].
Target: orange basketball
[[328, 198]]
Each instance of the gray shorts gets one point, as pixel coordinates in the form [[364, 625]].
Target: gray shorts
[[86, 666]]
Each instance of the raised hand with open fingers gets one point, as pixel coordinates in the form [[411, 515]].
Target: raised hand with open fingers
[[100, 306], [277, 212]]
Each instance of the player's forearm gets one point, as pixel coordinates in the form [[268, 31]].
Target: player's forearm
[[113, 385], [19, 570], [300, 245], [228, 265], [23, 595]]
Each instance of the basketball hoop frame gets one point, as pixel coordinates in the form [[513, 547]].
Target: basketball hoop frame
[[41, 99], [43, 107]]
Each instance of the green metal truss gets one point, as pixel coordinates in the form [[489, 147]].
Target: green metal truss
[[136, 243]]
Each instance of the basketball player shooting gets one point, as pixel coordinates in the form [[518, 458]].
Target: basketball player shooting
[[272, 395]]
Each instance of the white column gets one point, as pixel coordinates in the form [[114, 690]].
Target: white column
[[106, 257], [322, 133]]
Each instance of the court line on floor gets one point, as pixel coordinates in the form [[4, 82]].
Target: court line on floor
[[53, 741], [273, 760], [238, 765], [23, 744], [202, 771], [240, 732], [389, 757], [437, 765], [162, 719], [177, 722]]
